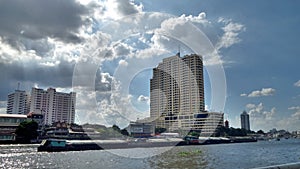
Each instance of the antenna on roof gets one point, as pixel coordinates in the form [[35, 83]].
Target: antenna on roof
[[18, 88], [178, 54]]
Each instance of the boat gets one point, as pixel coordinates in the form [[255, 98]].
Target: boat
[[53, 145], [191, 139], [214, 140]]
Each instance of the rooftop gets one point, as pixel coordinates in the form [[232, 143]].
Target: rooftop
[[13, 115]]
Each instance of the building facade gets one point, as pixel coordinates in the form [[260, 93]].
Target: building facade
[[137, 129], [18, 102], [245, 123], [177, 86], [177, 96], [8, 126], [55, 106]]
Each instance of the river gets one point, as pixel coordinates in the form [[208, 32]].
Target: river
[[219, 156]]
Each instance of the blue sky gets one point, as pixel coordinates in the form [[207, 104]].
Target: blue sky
[[105, 50], [266, 57]]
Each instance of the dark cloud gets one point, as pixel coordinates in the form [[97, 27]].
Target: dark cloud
[[41, 46], [56, 76], [126, 7], [38, 19]]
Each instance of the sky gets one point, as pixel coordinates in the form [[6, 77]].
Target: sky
[[105, 51]]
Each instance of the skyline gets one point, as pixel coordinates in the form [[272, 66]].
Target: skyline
[[256, 41]]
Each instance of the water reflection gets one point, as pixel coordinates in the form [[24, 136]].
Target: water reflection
[[189, 157], [244, 155]]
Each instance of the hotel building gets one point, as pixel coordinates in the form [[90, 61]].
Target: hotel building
[[56, 106], [18, 102], [177, 96]]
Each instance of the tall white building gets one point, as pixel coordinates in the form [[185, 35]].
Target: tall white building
[[18, 103], [177, 96], [245, 123], [56, 106]]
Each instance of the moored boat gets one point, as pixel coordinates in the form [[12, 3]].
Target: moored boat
[[53, 145]]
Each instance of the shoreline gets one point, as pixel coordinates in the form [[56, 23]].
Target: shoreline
[[55, 145]]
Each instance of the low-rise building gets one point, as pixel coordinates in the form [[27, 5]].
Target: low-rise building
[[296, 134], [37, 117], [9, 124], [136, 129], [205, 123]]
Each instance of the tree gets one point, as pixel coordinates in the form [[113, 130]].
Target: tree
[[194, 133], [223, 131], [160, 130], [26, 131], [260, 132], [116, 128], [124, 132]]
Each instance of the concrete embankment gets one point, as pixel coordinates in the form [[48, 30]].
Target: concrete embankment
[[283, 166]]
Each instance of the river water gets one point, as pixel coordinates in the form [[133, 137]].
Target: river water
[[221, 156]]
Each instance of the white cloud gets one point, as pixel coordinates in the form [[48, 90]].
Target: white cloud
[[260, 93], [57, 51], [108, 105], [106, 78], [231, 32], [50, 64], [296, 115], [250, 106], [3, 105], [261, 118], [143, 98], [201, 18], [123, 62], [297, 84], [263, 92], [207, 107], [178, 26], [294, 108], [122, 49], [291, 122]]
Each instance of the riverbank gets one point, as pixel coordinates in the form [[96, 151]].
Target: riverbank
[[51, 145]]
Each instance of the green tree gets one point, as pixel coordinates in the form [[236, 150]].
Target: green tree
[[26, 131], [124, 132], [224, 132], [194, 133], [160, 130], [116, 128], [260, 132]]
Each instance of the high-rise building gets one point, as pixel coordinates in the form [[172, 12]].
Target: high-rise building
[[56, 106], [177, 95], [245, 123], [18, 103]]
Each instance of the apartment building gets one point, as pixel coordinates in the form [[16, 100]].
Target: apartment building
[[177, 96]]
